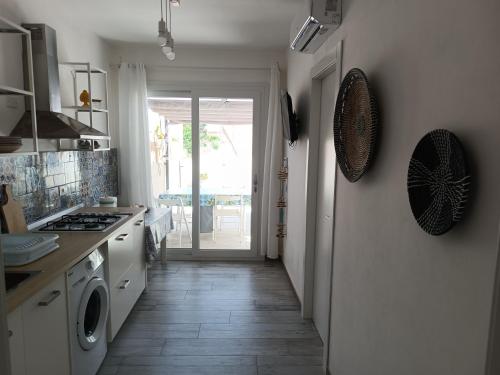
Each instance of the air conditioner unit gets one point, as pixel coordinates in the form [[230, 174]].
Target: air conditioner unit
[[319, 20]]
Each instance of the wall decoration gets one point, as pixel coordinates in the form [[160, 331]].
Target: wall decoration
[[438, 181], [282, 201], [355, 125]]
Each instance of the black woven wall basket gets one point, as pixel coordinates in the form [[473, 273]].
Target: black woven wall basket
[[438, 181], [355, 125]]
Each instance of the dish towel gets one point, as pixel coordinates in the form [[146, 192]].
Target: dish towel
[[158, 223]]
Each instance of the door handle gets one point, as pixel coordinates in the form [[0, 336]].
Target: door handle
[[122, 237], [51, 298], [125, 285], [139, 222], [255, 183], [11, 333]]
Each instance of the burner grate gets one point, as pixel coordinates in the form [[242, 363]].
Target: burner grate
[[83, 222]]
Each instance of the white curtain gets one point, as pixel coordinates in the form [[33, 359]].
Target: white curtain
[[272, 162], [135, 158]]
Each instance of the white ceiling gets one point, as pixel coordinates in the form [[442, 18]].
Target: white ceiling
[[221, 23]]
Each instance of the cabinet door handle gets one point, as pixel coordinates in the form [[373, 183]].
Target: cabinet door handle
[[122, 237], [11, 333], [125, 285], [139, 222], [53, 295]]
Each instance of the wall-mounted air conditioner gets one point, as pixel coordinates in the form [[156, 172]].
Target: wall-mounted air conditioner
[[318, 21]]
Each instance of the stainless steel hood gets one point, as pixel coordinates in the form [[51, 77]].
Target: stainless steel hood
[[51, 123]]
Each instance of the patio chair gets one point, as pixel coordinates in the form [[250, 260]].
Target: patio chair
[[228, 206], [179, 215]]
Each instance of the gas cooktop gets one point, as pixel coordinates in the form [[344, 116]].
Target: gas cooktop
[[83, 222]]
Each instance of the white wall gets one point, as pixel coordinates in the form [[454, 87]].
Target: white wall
[[405, 302], [73, 44], [298, 82]]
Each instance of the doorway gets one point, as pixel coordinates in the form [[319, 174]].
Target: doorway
[[204, 151], [320, 220], [324, 207]]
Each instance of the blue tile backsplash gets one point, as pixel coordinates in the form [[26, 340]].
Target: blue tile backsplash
[[54, 181]]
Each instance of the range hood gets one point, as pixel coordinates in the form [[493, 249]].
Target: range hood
[[51, 123]]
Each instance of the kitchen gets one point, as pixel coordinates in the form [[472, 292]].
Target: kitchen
[[85, 254], [249, 187]]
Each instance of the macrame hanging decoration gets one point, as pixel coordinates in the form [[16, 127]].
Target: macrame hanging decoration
[[282, 202]]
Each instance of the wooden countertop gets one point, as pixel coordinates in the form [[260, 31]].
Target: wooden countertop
[[73, 247]]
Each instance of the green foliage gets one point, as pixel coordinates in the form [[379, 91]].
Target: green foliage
[[187, 138], [205, 139], [159, 133]]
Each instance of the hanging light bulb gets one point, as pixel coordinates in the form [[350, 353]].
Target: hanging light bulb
[[171, 55], [165, 40], [169, 44], [162, 27], [166, 49], [162, 33]]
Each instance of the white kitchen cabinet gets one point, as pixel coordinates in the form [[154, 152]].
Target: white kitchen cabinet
[[16, 342], [126, 272], [45, 322]]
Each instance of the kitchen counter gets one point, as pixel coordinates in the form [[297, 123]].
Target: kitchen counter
[[73, 247]]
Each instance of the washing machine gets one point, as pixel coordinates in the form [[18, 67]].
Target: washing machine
[[88, 312]]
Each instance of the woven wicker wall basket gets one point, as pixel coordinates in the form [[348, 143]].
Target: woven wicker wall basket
[[355, 125], [438, 181]]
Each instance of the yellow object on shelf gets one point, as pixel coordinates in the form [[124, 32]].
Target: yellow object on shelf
[[85, 98]]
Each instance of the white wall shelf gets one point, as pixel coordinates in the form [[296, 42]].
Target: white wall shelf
[[84, 109], [85, 68], [10, 27], [7, 90]]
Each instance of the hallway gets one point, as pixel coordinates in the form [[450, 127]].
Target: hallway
[[216, 318]]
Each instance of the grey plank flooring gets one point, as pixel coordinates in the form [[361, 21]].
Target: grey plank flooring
[[208, 318]]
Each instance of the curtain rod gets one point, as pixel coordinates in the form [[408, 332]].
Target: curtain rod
[[195, 67]]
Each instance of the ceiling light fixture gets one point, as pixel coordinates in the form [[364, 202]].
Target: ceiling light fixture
[[162, 28], [165, 39]]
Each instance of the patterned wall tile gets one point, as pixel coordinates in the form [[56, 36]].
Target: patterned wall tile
[[54, 181]]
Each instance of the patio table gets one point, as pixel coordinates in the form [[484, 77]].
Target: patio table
[[207, 201]]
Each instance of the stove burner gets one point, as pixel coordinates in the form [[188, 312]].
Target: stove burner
[[83, 222], [108, 219]]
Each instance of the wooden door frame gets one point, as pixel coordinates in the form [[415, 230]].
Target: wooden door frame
[[331, 63]]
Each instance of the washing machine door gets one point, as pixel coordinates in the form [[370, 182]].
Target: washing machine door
[[92, 313]]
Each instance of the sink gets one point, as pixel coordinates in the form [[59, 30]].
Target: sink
[[14, 278]]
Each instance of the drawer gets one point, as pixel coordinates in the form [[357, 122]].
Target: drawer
[[124, 295], [121, 252], [139, 237]]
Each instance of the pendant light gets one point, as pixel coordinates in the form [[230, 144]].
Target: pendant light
[[162, 28], [165, 39]]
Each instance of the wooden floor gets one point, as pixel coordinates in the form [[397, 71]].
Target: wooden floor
[[216, 318]]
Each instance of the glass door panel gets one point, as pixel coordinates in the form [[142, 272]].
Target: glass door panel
[[170, 130], [226, 170]]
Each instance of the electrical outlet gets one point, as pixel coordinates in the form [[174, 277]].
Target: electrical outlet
[[12, 102]]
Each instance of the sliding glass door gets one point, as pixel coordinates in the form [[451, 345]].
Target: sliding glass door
[[170, 129], [204, 148]]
